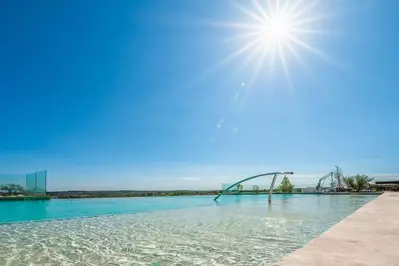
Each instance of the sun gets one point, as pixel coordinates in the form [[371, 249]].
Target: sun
[[276, 30], [272, 32]]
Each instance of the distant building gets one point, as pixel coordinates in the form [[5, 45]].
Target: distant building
[[386, 185]]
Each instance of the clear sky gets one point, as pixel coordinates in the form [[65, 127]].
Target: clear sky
[[191, 94]]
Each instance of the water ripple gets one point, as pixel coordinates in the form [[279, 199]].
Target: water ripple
[[244, 234]]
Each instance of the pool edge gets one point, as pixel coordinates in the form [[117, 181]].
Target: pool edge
[[357, 239]]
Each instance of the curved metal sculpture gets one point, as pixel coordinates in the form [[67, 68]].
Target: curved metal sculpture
[[255, 176], [321, 181]]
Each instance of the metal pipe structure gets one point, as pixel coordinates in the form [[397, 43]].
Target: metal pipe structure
[[271, 188], [255, 176], [321, 181]]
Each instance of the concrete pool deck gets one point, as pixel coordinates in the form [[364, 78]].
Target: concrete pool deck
[[369, 237]]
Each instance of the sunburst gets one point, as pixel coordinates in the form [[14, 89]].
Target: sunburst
[[275, 31]]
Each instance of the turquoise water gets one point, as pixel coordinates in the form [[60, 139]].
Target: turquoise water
[[240, 230], [16, 211]]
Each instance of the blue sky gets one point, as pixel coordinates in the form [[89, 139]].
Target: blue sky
[[133, 95]]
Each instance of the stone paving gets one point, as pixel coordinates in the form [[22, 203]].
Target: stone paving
[[369, 237]]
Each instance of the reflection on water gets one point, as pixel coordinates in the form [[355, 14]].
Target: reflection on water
[[235, 231]]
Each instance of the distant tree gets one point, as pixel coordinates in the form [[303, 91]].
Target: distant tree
[[255, 188], [3, 187], [13, 188], [240, 187], [357, 182], [285, 186]]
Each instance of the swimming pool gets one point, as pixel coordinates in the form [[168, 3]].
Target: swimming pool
[[240, 230]]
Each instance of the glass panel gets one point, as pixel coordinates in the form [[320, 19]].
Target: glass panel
[[41, 182], [20, 184], [36, 183], [31, 183]]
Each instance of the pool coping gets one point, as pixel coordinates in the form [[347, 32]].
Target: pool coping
[[369, 237]]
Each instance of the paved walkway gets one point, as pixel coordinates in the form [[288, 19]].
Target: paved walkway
[[369, 237]]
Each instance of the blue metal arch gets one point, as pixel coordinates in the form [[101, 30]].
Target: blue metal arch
[[253, 177]]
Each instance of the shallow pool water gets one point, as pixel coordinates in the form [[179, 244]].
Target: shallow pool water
[[240, 230]]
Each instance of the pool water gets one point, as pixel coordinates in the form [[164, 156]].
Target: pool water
[[240, 230], [17, 211]]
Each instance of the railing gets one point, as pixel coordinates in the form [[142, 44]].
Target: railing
[[253, 177]]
